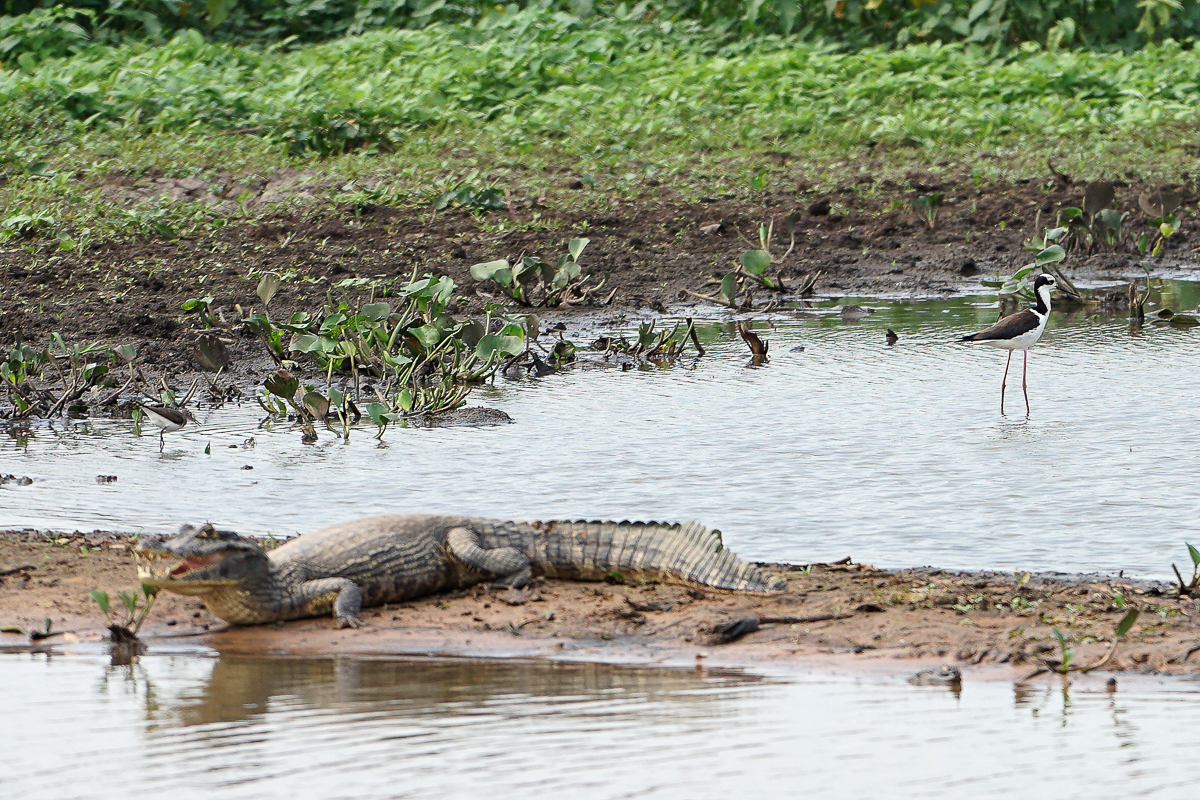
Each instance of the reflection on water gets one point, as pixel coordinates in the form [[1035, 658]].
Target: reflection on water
[[360, 728], [245, 687], [895, 455]]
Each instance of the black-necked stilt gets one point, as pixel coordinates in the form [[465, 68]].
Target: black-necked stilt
[[167, 419], [1020, 331]]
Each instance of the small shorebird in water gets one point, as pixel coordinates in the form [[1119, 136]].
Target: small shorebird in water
[[1020, 331], [167, 419]]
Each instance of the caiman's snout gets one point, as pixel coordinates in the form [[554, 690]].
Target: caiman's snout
[[158, 567], [197, 557]]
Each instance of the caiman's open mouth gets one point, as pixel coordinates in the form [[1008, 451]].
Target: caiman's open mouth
[[153, 568]]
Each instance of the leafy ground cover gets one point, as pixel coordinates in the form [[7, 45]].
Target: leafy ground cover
[[518, 96]]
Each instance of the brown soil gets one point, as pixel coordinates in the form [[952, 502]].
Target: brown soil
[[831, 612], [862, 238]]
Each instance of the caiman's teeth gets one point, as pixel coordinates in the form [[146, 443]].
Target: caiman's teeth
[[146, 571]]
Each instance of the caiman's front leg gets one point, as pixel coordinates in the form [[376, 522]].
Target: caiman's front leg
[[505, 565], [342, 594]]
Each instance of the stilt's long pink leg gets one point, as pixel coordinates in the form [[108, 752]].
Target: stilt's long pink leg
[[1004, 381], [1024, 385]]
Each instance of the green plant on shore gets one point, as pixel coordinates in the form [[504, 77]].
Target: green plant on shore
[[926, 207], [202, 307], [654, 345], [1065, 662], [66, 372], [136, 606], [1047, 260], [419, 358], [530, 281], [1097, 225], [1193, 584], [751, 268]]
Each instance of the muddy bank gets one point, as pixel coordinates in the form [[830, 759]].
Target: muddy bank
[[862, 237], [854, 614]]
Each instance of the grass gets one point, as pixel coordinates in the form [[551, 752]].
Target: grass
[[523, 96]]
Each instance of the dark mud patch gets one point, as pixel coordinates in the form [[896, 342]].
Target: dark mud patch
[[862, 238]]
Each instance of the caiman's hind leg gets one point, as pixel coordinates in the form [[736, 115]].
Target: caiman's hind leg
[[505, 565]]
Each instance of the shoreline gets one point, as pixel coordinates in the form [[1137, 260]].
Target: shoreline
[[845, 616]]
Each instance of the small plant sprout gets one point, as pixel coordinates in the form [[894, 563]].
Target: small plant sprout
[[1190, 587], [926, 207], [751, 269], [137, 607], [202, 307], [1065, 662]]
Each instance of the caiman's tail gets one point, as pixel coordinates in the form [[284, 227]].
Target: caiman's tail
[[690, 553]]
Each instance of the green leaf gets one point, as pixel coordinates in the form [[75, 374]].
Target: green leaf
[[129, 601], [1127, 622], [530, 270], [101, 599], [756, 262], [499, 271], [1195, 554], [492, 344], [268, 285], [316, 404], [282, 384], [729, 287], [1110, 219], [376, 312], [1051, 255], [312, 343], [427, 335], [575, 247], [380, 414], [127, 352], [196, 302], [567, 273]]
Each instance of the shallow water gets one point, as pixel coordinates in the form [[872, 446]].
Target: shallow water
[[352, 728], [892, 455], [896, 455]]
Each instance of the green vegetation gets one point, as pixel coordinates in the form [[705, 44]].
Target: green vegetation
[[1063, 664], [420, 359], [137, 607], [856, 23], [1190, 587], [624, 99], [533, 282], [67, 372]]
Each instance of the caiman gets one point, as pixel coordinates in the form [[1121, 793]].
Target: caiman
[[391, 558]]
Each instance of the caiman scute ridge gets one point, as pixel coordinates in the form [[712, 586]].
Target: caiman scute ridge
[[397, 557]]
